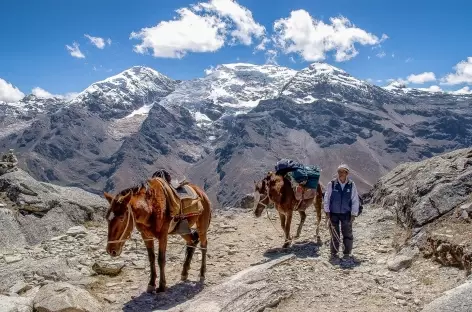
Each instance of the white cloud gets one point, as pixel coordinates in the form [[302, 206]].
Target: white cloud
[[75, 50], [408, 60], [312, 39], [368, 57], [109, 41], [245, 27], [9, 93], [271, 57], [204, 27], [432, 89], [393, 55], [292, 59], [422, 78], [464, 90], [96, 41], [262, 45], [463, 73], [41, 93], [381, 54]]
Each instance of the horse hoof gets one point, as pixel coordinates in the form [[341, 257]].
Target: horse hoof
[[150, 289], [161, 289], [286, 245], [184, 278], [202, 279]]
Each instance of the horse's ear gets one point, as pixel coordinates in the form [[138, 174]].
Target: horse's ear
[[108, 197], [126, 198]]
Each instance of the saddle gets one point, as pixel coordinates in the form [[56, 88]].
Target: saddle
[[184, 203]]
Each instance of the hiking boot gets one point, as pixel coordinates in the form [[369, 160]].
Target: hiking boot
[[334, 259], [348, 261]]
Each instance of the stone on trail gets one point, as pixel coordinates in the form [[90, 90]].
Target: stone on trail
[[458, 299], [248, 290], [108, 268], [13, 258], [56, 297], [400, 262], [16, 304], [76, 230]]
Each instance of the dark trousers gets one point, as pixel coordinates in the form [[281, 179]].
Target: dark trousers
[[343, 220]]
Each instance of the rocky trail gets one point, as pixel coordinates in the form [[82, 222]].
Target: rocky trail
[[237, 241]]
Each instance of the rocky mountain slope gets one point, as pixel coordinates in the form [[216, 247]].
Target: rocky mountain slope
[[226, 129]]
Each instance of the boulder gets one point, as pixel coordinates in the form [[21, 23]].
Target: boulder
[[400, 262], [458, 299], [58, 297], [15, 304], [248, 290], [42, 210], [247, 202]]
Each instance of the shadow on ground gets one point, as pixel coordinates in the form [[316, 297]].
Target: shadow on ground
[[302, 249], [173, 296]]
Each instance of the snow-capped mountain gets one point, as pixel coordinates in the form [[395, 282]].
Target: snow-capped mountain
[[227, 128], [321, 81], [120, 95], [228, 90]]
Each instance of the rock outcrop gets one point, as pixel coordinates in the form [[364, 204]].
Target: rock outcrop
[[432, 200], [37, 211]]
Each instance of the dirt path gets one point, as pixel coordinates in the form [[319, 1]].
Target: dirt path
[[238, 240]]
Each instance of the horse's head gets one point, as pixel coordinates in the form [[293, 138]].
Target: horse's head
[[121, 221], [261, 197]]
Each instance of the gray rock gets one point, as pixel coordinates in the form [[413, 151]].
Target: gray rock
[[47, 210], [12, 258], [16, 304], [246, 291], [400, 262], [20, 287], [458, 299], [423, 191], [57, 297], [111, 268], [247, 202], [76, 230]]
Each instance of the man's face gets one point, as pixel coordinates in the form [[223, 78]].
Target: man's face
[[342, 175]]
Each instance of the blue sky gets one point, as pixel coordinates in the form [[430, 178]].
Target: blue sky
[[427, 39]]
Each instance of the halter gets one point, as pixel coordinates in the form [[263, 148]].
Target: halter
[[130, 217]]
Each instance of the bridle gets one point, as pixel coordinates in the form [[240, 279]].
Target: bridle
[[130, 217]]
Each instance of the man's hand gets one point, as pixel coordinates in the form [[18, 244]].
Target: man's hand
[[353, 218]]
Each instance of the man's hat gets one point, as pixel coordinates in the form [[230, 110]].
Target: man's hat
[[343, 167]]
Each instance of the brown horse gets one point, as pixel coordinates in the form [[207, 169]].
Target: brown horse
[[278, 190], [147, 207]]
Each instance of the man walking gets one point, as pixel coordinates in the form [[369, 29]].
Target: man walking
[[341, 204]]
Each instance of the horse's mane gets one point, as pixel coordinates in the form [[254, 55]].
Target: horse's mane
[[134, 189]]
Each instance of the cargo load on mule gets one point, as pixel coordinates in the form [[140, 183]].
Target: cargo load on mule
[[304, 179]]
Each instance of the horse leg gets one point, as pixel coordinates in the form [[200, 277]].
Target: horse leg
[[188, 255], [288, 223], [203, 245], [318, 208], [302, 221], [161, 260], [152, 261]]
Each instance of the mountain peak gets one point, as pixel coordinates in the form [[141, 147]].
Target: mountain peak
[[325, 68], [127, 91]]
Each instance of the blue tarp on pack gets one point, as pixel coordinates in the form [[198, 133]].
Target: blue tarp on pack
[[308, 176]]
